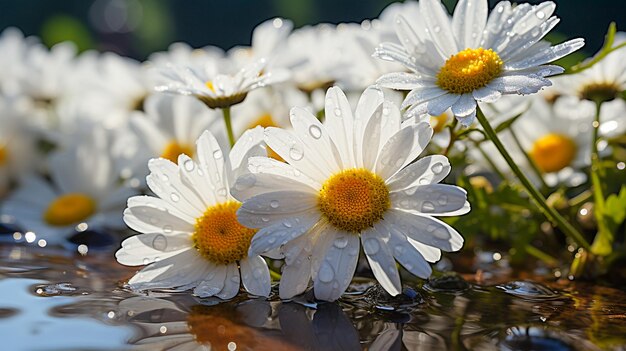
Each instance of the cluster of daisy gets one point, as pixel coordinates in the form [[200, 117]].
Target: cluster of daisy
[[302, 147]]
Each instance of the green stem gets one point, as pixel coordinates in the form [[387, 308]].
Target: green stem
[[229, 126], [453, 136], [275, 275], [596, 185], [548, 211], [530, 160], [547, 259]]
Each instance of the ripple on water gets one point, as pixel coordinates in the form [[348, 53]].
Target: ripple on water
[[528, 290]]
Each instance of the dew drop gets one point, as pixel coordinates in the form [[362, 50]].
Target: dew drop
[[244, 182], [371, 246], [221, 192], [175, 197], [217, 154], [315, 131], [338, 112], [428, 206], [326, 273], [437, 29], [287, 224], [296, 153], [159, 242], [540, 14], [443, 200], [274, 204], [399, 249], [341, 242], [146, 261], [189, 165], [167, 229], [437, 168], [265, 219]]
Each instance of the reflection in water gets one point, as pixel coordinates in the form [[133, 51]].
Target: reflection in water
[[54, 300]]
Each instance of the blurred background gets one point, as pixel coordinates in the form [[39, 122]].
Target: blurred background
[[136, 28]]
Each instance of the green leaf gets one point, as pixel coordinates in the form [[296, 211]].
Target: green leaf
[[508, 123], [606, 49], [612, 215]]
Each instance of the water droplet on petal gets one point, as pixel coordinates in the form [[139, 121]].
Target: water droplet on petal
[[274, 204], [371, 246], [296, 153], [244, 182], [287, 224], [167, 229], [428, 206], [341, 242], [443, 200], [315, 131], [189, 165], [326, 273], [222, 192], [159, 242], [437, 168], [217, 154], [540, 14], [338, 112], [175, 197]]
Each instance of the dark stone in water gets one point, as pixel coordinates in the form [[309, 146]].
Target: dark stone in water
[[55, 289], [447, 282], [93, 239], [380, 299], [533, 339], [528, 289]]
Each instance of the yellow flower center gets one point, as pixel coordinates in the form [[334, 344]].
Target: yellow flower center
[[469, 70], [219, 237], [3, 155], [174, 149], [553, 152], [354, 199], [439, 122], [209, 84], [600, 91], [69, 209]]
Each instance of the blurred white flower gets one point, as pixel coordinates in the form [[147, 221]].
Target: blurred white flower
[[85, 189]]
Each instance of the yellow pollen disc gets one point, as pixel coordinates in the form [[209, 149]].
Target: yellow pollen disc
[[209, 85], [219, 237], [553, 152], [3, 155], [354, 199], [600, 91], [174, 149], [439, 122], [469, 70], [69, 209]]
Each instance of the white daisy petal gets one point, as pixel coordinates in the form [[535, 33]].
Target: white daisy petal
[[427, 230], [192, 176], [408, 255], [339, 122], [440, 104], [422, 95], [231, 283], [293, 150], [315, 136], [551, 54], [432, 199], [212, 283], [248, 145], [146, 248], [165, 183], [152, 215], [486, 94], [280, 233], [296, 273], [255, 275], [468, 22], [438, 20], [211, 162], [428, 170], [175, 271], [403, 148], [273, 167], [400, 81], [381, 259], [465, 106], [336, 266], [279, 202]]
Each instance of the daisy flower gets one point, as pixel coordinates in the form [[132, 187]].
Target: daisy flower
[[455, 62], [84, 190], [605, 81], [190, 236], [350, 179], [214, 88], [171, 125], [557, 144]]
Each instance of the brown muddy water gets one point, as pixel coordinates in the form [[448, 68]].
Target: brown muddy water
[[53, 299]]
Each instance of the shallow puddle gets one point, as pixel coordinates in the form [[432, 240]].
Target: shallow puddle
[[54, 300]]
